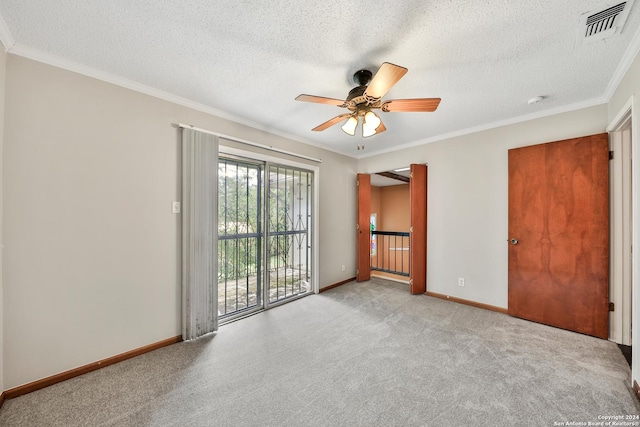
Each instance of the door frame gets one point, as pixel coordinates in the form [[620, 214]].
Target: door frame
[[226, 147], [418, 227], [625, 295], [620, 283]]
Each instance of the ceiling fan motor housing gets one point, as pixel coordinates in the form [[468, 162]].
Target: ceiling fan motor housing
[[362, 77], [356, 92]]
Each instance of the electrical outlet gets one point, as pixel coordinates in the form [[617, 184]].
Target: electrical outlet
[[342, 267], [460, 281]]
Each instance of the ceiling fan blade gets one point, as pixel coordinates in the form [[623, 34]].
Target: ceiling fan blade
[[411, 105], [381, 128], [331, 122], [386, 77], [321, 100]]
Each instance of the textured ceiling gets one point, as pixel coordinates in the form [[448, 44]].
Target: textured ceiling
[[250, 60]]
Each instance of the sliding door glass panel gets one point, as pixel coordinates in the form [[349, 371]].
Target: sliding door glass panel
[[288, 250], [239, 237]]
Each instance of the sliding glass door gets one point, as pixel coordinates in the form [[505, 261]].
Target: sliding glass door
[[289, 232], [240, 232], [264, 235]]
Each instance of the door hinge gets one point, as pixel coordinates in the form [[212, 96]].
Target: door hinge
[[357, 183], [357, 226], [610, 155], [612, 306], [357, 271]]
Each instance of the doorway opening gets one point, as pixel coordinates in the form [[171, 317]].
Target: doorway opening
[[413, 241], [391, 221], [265, 225]]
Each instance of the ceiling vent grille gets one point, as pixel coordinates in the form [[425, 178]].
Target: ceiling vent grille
[[605, 23]]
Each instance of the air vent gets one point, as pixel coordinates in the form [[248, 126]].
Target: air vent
[[605, 23]]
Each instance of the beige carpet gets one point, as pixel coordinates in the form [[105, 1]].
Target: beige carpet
[[362, 354]]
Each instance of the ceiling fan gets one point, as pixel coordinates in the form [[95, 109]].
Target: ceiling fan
[[367, 96]]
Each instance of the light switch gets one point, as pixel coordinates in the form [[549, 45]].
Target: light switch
[[175, 207]]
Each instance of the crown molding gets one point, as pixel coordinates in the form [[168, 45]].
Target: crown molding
[[493, 125], [5, 35], [56, 61], [20, 50], [623, 66], [59, 62]]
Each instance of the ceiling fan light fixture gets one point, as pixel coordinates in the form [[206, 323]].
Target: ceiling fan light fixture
[[367, 132], [370, 124], [367, 96], [349, 127]]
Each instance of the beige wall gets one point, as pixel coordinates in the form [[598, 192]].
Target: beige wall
[[391, 204], [91, 246], [467, 199], [629, 90], [395, 214], [375, 204], [90, 264]]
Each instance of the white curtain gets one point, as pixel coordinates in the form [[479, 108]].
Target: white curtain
[[199, 233]]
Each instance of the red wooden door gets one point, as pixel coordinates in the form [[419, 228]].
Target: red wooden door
[[363, 239], [418, 230], [559, 234]]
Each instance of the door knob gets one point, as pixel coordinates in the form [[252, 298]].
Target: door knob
[[513, 241]]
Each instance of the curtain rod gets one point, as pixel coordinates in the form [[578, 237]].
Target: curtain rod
[[253, 144]]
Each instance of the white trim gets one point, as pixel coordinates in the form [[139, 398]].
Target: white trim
[[95, 73], [253, 144], [625, 112], [621, 265], [36, 55], [5, 35], [66, 64], [623, 66], [635, 257], [56, 61], [224, 149], [618, 121], [514, 120]]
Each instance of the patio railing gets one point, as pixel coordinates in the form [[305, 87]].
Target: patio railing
[[390, 252]]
